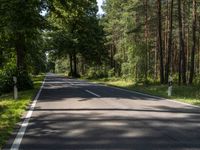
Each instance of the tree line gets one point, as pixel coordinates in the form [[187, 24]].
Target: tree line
[[76, 35], [152, 39], [35, 33], [144, 40]]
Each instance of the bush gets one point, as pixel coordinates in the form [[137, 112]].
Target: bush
[[111, 73], [6, 79], [93, 73]]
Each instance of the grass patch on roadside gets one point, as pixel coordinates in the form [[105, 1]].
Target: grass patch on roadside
[[188, 94], [11, 110]]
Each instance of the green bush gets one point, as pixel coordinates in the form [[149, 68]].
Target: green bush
[[111, 73], [93, 73], [6, 79]]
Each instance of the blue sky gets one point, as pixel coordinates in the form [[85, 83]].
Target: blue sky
[[100, 2]]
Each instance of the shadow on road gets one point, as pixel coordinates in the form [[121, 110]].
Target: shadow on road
[[95, 130], [68, 118]]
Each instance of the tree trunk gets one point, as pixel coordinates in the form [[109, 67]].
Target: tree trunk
[[146, 38], [194, 42], [111, 56], [182, 65], [169, 58], [74, 64], [70, 63], [1, 57], [198, 55], [160, 42], [20, 52]]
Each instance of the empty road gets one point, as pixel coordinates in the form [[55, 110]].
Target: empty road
[[71, 114]]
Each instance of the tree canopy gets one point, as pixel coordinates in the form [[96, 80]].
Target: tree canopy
[[142, 40]]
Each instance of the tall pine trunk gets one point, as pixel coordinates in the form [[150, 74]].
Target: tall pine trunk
[[160, 41], [146, 39], [194, 42], [169, 58], [182, 61]]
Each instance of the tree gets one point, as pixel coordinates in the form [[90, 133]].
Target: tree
[[194, 24], [182, 62], [160, 41], [22, 23], [77, 26], [169, 56], [153, 33]]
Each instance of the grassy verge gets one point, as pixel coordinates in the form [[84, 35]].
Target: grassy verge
[[11, 110], [187, 94]]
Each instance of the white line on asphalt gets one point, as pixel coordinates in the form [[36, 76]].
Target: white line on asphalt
[[157, 97], [93, 93], [21, 132]]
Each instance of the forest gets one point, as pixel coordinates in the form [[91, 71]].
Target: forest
[[145, 41], [153, 39], [138, 45]]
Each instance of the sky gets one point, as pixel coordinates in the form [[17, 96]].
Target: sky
[[100, 2]]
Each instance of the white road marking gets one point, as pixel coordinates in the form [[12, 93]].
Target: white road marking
[[157, 97], [22, 130], [93, 93]]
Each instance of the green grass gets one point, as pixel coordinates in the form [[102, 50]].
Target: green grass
[[187, 94], [11, 110]]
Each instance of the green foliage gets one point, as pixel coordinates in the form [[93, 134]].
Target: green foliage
[[6, 79], [77, 33], [11, 110], [62, 66], [95, 73], [123, 36], [21, 34], [131, 31], [111, 72]]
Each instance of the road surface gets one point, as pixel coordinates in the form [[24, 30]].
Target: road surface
[[71, 114]]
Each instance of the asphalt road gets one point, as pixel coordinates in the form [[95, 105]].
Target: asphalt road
[[76, 115]]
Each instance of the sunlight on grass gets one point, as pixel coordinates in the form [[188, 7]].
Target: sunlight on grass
[[187, 94], [11, 110]]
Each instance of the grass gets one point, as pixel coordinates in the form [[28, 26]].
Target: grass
[[187, 94], [11, 110]]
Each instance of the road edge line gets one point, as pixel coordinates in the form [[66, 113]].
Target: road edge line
[[24, 125], [144, 94]]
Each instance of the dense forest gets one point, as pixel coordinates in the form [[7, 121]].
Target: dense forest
[[151, 39], [143, 40]]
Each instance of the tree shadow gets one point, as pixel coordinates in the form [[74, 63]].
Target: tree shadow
[[93, 129], [67, 117]]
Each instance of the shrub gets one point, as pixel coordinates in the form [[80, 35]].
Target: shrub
[[6, 79], [96, 73], [111, 72]]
